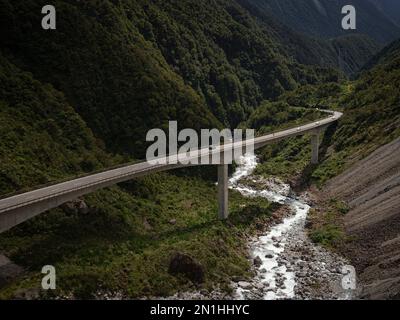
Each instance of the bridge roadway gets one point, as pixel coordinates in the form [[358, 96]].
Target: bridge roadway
[[21, 207]]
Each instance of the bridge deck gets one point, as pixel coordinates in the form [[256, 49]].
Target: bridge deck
[[18, 208]]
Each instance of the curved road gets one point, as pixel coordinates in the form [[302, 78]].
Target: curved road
[[19, 208]]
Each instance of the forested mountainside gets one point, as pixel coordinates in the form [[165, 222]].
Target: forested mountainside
[[42, 137], [124, 231], [109, 73], [385, 56], [114, 79], [128, 66], [322, 18], [83, 97], [372, 116], [371, 119], [354, 51], [347, 52]]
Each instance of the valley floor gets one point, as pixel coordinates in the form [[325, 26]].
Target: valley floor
[[368, 230]]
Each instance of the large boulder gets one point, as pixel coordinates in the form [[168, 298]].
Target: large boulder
[[257, 262], [186, 265], [76, 207]]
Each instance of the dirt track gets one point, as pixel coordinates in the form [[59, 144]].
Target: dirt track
[[372, 189]]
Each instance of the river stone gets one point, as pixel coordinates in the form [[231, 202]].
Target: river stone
[[245, 285], [259, 286], [257, 261], [269, 254], [74, 207]]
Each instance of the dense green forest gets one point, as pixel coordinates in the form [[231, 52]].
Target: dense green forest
[[203, 64], [42, 137]]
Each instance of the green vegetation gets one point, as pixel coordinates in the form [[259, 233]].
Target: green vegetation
[[328, 235], [82, 99], [135, 65], [42, 138], [125, 243], [275, 116], [371, 119], [126, 239], [289, 156], [325, 224], [115, 79]]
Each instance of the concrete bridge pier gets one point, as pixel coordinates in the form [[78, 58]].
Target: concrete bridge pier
[[223, 192], [315, 147]]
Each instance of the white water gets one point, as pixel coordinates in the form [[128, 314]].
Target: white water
[[273, 243]]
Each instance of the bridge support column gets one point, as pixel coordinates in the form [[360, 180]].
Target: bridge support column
[[223, 191], [314, 148]]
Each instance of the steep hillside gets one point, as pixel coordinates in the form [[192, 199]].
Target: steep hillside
[[347, 53], [133, 59], [354, 51], [323, 17], [119, 239], [110, 60], [42, 138], [358, 210], [82, 98], [385, 56], [103, 76], [371, 119], [117, 81], [371, 188], [391, 8], [372, 116]]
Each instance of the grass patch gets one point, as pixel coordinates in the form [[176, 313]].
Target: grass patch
[[325, 223]]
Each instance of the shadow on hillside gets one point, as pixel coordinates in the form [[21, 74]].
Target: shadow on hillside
[[305, 179]]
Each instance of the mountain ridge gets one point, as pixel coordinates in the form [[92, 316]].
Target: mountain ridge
[[322, 18]]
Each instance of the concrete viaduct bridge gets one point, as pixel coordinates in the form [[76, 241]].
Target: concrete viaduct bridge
[[19, 208]]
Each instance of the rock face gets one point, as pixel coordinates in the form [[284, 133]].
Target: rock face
[[76, 207], [186, 265], [8, 270]]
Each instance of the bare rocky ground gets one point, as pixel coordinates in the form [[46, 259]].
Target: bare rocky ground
[[318, 271], [371, 187]]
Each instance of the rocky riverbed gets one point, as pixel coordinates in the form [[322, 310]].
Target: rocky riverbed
[[288, 265]]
